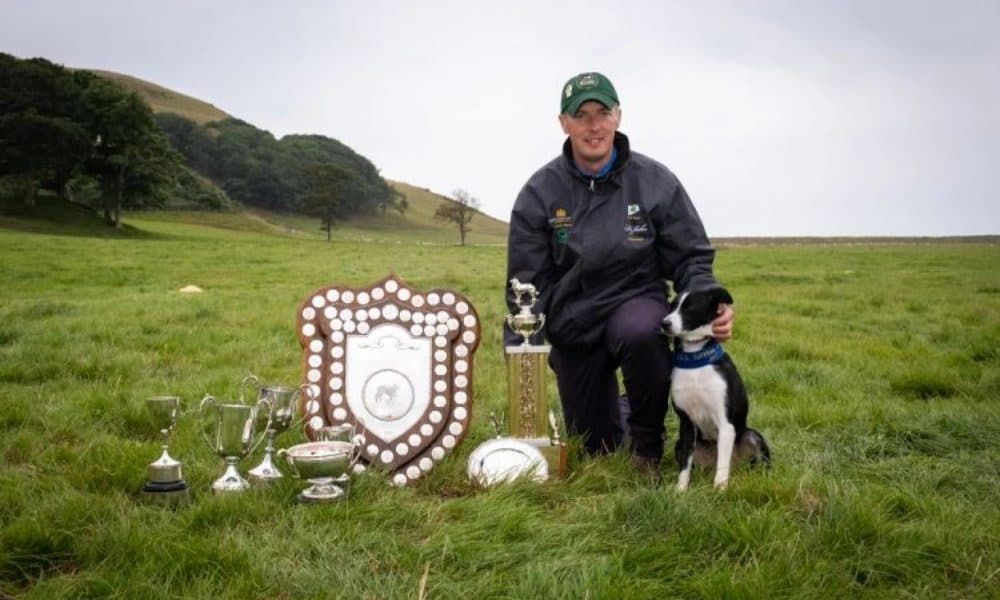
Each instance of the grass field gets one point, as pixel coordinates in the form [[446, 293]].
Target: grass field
[[873, 370], [416, 225]]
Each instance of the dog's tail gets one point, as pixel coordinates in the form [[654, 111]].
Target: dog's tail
[[752, 445]]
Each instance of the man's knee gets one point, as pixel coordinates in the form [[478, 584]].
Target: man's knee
[[636, 325]]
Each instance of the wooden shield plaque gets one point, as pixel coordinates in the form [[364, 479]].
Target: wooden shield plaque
[[395, 362]]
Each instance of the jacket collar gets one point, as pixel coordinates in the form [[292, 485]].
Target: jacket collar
[[622, 151]]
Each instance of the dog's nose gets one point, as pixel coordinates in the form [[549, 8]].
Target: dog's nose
[[666, 327]]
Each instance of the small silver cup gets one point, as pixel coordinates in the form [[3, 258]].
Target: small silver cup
[[234, 429], [165, 481]]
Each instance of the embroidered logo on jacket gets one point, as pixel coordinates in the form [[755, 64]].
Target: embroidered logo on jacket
[[636, 227], [561, 225]]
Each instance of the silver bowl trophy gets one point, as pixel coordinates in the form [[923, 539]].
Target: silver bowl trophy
[[326, 463], [282, 403], [233, 438], [535, 450], [166, 484]]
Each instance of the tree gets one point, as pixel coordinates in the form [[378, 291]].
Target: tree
[[331, 193], [131, 154], [59, 128], [43, 136], [459, 210], [35, 149]]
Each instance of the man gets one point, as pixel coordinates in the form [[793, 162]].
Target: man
[[599, 231]]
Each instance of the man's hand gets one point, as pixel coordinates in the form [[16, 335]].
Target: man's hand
[[722, 326]]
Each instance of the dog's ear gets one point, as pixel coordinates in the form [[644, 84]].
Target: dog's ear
[[722, 296]]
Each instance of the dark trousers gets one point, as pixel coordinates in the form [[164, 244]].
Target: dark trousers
[[588, 384]]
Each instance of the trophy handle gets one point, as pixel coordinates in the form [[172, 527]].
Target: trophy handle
[[301, 417], [291, 464], [264, 404], [208, 400], [358, 440], [541, 322], [252, 379]]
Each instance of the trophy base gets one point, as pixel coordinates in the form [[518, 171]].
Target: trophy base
[[230, 482], [555, 455], [334, 490], [264, 475], [170, 493], [266, 472]]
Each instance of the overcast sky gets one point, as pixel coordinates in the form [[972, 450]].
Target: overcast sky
[[779, 117]]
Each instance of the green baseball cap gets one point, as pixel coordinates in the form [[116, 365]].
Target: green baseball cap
[[587, 86]]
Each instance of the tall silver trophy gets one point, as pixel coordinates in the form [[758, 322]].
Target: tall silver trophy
[[166, 482], [282, 403], [234, 427], [527, 398], [534, 448]]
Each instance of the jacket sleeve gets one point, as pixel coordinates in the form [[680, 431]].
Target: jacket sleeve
[[528, 257], [683, 249]]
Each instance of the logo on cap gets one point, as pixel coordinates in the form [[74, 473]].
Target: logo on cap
[[569, 90], [587, 80]]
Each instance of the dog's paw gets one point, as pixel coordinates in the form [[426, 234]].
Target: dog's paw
[[721, 485]]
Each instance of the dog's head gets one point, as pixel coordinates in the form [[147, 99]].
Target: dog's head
[[691, 313]]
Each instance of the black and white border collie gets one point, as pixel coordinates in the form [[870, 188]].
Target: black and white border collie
[[708, 393]]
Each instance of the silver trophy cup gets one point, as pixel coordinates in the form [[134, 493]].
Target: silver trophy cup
[[282, 405], [326, 463], [166, 483], [233, 438], [525, 323]]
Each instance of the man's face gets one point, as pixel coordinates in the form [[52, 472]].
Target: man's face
[[591, 132]]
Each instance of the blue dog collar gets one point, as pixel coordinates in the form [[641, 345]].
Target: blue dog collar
[[711, 353]]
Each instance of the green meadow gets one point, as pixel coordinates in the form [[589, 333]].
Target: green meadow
[[873, 370]]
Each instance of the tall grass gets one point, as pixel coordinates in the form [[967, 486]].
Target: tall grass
[[873, 372]]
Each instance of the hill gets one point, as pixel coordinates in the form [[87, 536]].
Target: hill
[[163, 100], [421, 201], [207, 159]]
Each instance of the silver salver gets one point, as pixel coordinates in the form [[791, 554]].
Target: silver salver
[[506, 459]]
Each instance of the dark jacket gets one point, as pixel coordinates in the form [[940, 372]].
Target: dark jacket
[[588, 245]]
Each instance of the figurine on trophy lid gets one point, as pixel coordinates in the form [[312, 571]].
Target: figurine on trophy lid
[[166, 484]]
